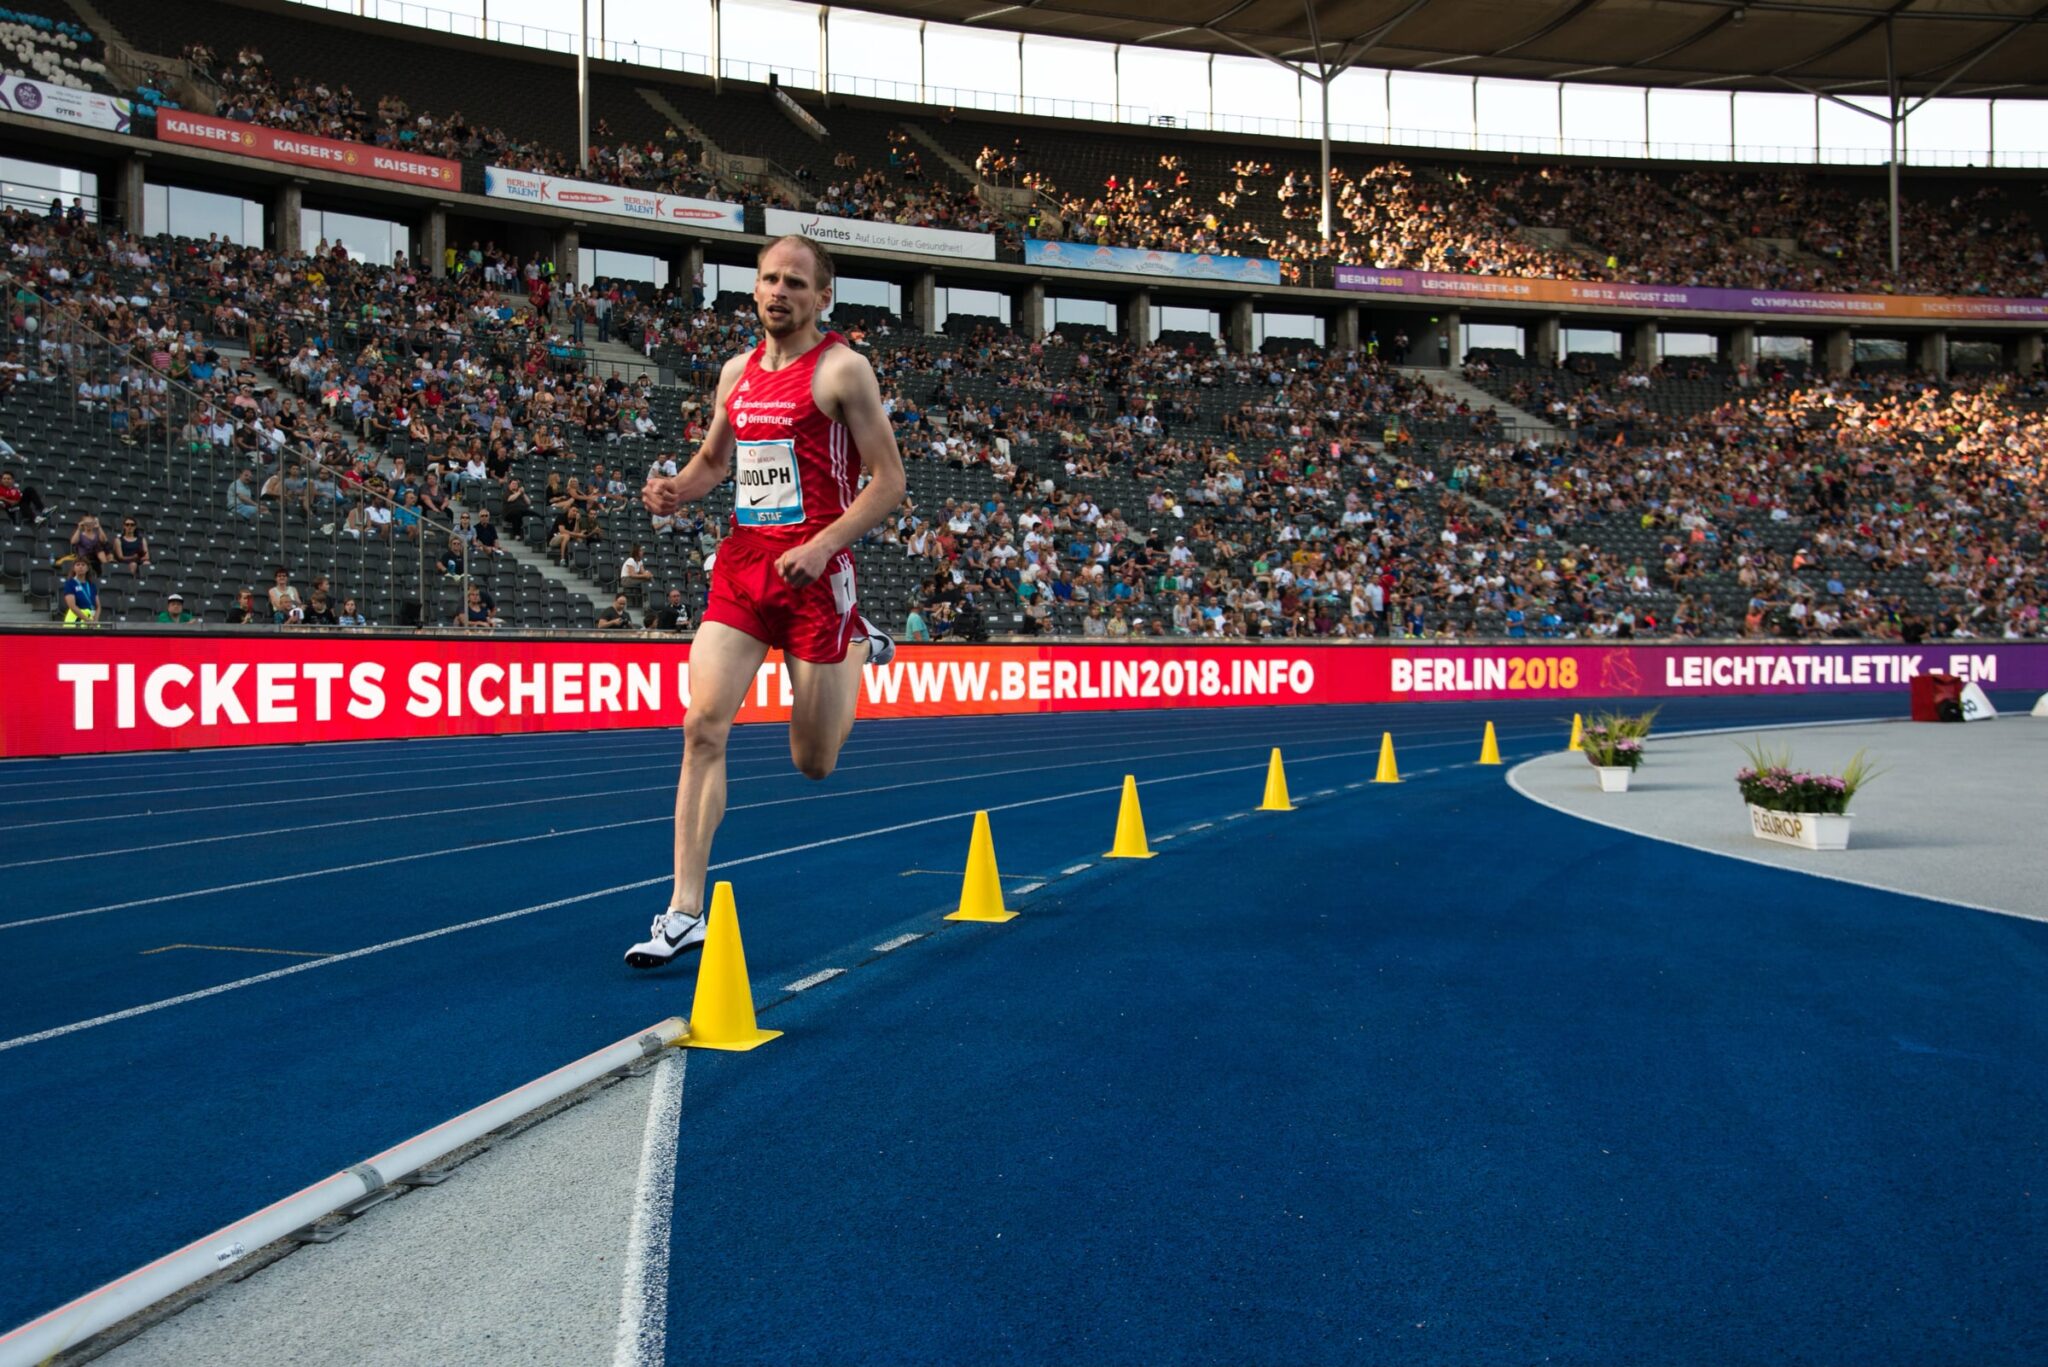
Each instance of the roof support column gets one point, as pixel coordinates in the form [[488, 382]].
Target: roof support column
[[1237, 327], [825, 54], [1329, 219], [1933, 353], [1343, 328], [1642, 344], [1738, 347], [2023, 353], [1027, 310], [583, 85], [1891, 92], [1838, 352], [1546, 340], [1138, 318]]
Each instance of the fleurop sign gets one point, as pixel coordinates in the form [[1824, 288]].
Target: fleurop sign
[[1511, 289], [304, 149], [884, 237], [618, 201], [79, 693], [1082, 256]]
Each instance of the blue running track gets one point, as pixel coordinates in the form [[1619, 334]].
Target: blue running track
[[1415, 1073]]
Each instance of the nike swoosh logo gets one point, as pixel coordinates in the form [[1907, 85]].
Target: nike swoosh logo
[[757, 502]]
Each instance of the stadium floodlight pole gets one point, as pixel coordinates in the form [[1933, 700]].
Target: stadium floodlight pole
[[583, 85]]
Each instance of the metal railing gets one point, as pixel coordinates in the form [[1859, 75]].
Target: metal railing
[[1468, 139]]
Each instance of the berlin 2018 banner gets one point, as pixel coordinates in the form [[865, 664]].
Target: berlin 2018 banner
[[78, 693], [1511, 289]]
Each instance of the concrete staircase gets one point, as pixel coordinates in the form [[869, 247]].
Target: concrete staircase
[[731, 169], [1462, 389]]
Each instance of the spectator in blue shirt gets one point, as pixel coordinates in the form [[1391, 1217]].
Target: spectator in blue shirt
[[81, 598]]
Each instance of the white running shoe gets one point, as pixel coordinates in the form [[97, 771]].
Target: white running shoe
[[881, 645], [672, 933]]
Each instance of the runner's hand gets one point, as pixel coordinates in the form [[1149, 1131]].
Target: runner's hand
[[802, 565], [659, 496]]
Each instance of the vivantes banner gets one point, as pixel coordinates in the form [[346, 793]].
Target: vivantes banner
[[590, 197], [1510, 289], [1082, 256], [20, 95], [883, 237], [304, 149], [81, 692]]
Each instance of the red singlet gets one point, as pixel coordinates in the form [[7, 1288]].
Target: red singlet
[[794, 473]]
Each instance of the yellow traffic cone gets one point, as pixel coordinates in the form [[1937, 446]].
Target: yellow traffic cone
[[1276, 788], [722, 1015], [1388, 773], [981, 891], [1578, 733], [1489, 749], [1130, 826]]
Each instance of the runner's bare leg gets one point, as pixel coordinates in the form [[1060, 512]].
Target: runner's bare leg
[[821, 709], [723, 662]]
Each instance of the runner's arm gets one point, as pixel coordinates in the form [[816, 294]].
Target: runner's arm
[[712, 462], [850, 386]]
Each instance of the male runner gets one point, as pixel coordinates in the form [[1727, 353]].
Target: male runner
[[799, 417]]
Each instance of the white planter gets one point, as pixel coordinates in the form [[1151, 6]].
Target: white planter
[[1613, 778], [1807, 830]]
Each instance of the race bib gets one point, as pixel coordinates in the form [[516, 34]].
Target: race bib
[[767, 492]]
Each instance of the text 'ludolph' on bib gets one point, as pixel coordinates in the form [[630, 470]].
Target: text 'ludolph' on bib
[[768, 491]]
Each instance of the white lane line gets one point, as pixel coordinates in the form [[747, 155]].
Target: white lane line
[[762, 755], [623, 792], [889, 946], [1162, 839], [809, 981], [754, 738], [643, 1299], [1078, 868], [1332, 792], [146, 1008], [1200, 826], [1028, 887]]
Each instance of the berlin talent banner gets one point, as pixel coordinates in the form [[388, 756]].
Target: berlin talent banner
[[590, 197], [304, 149], [882, 237], [1081, 256], [1508, 289], [20, 95], [83, 692]]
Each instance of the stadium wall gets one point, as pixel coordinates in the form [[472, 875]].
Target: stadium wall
[[75, 693]]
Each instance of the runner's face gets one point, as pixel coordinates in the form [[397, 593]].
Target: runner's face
[[786, 291]]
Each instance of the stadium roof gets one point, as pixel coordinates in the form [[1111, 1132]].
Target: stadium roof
[[1957, 48]]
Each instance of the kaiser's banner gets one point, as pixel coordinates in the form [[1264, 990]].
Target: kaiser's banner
[[20, 95], [304, 149], [885, 237], [590, 197], [1507, 289], [1080, 256], [84, 692]]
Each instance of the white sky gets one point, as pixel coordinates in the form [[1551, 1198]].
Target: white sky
[[981, 68]]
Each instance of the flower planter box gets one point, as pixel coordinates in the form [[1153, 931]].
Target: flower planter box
[[1613, 778], [1807, 830]]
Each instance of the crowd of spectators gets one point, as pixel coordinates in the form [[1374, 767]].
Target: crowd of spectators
[[1172, 489], [376, 404], [1750, 229], [1765, 229]]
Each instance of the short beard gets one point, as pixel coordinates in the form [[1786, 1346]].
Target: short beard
[[791, 325]]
